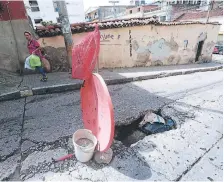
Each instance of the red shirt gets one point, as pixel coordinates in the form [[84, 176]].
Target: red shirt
[[32, 46]]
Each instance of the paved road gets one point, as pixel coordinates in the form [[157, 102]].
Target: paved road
[[35, 129], [217, 58]]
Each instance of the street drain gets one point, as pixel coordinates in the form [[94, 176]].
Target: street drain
[[132, 133]]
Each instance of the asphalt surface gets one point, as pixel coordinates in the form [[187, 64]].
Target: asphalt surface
[[14, 86], [37, 128]]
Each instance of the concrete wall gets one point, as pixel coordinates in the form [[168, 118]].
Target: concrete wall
[[156, 45], [13, 48], [11, 56], [145, 45], [213, 19]]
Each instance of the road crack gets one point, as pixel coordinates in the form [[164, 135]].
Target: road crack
[[20, 83], [22, 129], [197, 160]]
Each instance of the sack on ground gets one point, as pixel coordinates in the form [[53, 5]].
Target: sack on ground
[[46, 64]]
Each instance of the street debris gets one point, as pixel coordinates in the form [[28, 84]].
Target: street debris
[[151, 117], [62, 158], [153, 123], [103, 157]]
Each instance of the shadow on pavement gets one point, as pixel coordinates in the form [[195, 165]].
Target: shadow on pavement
[[48, 118]]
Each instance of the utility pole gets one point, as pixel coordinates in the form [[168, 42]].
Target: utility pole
[[210, 7], [66, 29], [114, 11]]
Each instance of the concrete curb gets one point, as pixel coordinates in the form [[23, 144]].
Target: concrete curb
[[77, 86], [10, 96]]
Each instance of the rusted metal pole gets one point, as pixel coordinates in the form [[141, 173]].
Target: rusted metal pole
[[66, 29]]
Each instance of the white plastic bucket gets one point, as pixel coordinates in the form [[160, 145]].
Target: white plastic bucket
[[84, 154]]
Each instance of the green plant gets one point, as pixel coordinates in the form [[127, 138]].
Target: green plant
[[47, 23]]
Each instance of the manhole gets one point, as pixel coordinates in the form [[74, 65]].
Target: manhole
[[132, 133]]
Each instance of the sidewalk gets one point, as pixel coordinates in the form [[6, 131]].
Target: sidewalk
[[14, 86]]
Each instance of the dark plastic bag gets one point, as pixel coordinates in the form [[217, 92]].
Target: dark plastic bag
[[149, 128]]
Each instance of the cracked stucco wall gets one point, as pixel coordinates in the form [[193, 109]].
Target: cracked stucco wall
[[148, 45]]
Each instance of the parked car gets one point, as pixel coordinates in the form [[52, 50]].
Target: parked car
[[218, 49]]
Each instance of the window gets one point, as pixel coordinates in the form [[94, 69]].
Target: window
[[33, 3], [35, 9], [95, 15], [55, 7], [143, 2], [130, 11], [38, 20], [162, 18], [139, 9]]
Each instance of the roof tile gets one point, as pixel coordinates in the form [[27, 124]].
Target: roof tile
[[119, 23]]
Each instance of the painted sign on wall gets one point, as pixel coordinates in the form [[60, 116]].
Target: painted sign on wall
[[109, 37]]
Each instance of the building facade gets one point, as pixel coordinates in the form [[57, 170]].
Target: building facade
[[215, 14], [40, 10], [140, 42], [165, 10], [102, 13]]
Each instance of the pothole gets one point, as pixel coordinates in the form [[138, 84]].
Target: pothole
[[132, 133]]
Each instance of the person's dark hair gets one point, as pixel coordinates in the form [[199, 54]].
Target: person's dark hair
[[27, 32]]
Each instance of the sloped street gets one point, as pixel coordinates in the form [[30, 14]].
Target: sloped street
[[35, 129]]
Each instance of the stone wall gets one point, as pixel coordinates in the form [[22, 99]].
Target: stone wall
[[147, 45]]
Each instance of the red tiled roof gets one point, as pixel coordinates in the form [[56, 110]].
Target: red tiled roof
[[200, 14], [50, 31], [149, 7]]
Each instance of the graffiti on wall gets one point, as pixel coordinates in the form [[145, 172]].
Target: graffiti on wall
[[109, 37], [130, 43]]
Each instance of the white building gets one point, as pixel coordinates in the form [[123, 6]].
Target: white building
[[164, 9], [46, 10]]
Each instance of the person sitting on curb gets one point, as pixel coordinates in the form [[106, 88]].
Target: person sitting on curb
[[34, 49]]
